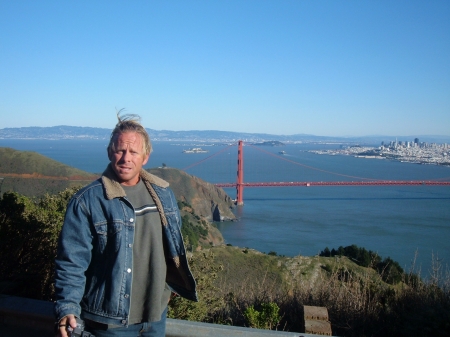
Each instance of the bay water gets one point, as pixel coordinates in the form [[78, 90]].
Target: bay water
[[394, 221]]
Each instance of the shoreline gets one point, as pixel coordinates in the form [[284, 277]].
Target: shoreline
[[437, 157]]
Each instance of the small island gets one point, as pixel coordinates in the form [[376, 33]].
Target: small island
[[195, 150]]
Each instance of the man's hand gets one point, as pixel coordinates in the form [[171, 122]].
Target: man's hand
[[64, 323]]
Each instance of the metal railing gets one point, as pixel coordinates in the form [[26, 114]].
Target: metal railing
[[29, 317]]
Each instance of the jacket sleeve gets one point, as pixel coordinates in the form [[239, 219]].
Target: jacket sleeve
[[72, 259]]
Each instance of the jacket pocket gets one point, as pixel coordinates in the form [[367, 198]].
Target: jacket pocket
[[109, 236]]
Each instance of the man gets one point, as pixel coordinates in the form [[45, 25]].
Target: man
[[120, 252]]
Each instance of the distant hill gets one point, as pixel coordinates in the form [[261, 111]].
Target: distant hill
[[76, 132]]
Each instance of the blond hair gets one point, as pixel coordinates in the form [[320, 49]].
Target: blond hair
[[130, 123]]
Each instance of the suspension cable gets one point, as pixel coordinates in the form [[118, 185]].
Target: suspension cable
[[209, 157]]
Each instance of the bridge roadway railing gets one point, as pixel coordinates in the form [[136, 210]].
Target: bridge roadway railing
[[340, 183], [29, 317]]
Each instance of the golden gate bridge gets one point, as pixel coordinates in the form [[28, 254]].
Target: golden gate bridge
[[239, 184]]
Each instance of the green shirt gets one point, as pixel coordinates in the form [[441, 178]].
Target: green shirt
[[149, 291]]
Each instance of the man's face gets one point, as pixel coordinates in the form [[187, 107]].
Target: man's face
[[128, 158]]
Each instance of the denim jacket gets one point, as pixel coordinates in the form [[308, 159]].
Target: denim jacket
[[95, 251]]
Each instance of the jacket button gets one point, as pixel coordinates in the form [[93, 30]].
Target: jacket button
[[129, 270], [124, 321], [131, 220], [130, 245], [126, 296]]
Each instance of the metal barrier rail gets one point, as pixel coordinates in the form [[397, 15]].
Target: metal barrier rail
[[28, 317]]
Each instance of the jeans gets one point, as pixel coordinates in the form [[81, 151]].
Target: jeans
[[147, 329]]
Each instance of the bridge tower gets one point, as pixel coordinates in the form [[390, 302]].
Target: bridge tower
[[240, 175]]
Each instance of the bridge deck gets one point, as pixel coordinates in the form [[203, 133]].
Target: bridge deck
[[340, 183]]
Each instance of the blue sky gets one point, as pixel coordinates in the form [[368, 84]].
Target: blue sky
[[331, 68]]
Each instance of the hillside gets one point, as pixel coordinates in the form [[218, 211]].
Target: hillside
[[207, 200], [279, 272], [32, 174], [200, 203], [358, 301], [27, 162]]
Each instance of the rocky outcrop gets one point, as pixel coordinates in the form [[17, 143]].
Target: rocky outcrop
[[207, 201]]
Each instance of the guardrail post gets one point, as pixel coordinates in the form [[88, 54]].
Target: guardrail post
[[316, 320]]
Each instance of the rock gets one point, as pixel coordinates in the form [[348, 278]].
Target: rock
[[217, 214]]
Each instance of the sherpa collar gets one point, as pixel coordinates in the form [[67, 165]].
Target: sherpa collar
[[113, 189]]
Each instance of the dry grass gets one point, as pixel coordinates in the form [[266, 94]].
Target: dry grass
[[359, 303]]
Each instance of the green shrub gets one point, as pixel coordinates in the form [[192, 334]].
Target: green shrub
[[267, 318], [189, 233], [192, 233], [205, 272]]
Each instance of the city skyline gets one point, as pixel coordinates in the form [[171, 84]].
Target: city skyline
[[343, 69]]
